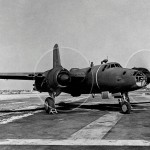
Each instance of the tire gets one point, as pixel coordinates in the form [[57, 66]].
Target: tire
[[49, 105], [125, 107]]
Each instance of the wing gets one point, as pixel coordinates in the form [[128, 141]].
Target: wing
[[22, 76]]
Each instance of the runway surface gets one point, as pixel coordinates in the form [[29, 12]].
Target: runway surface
[[80, 121]]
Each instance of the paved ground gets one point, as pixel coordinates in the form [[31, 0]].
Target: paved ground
[[80, 122]]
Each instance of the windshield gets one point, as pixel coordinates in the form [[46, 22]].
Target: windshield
[[115, 65]]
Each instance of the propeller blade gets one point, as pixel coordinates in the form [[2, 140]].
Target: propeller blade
[[141, 62], [139, 59]]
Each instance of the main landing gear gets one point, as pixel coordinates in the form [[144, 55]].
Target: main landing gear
[[125, 104], [49, 104]]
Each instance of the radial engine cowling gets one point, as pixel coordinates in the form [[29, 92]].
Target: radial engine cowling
[[58, 78]]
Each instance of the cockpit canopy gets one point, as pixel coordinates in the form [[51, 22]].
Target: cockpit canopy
[[111, 65]]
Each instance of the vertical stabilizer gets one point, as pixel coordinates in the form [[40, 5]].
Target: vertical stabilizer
[[56, 56]]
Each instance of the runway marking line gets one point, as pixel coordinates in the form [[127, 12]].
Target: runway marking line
[[12, 103], [99, 128], [4, 114], [74, 142], [13, 118]]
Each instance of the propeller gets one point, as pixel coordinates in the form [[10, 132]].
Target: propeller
[[140, 61]]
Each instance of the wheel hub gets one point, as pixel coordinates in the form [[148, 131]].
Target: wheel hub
[[124, 108]]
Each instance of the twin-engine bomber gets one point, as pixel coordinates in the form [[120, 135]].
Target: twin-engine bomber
[[108, 77]]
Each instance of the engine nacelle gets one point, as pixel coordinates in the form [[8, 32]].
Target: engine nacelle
[[106, 95], [52, 80], [58, 78]]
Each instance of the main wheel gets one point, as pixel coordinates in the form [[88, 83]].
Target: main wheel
[[125, 107], [49, 105]]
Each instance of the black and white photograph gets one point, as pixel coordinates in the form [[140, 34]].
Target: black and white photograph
[[74, 74]]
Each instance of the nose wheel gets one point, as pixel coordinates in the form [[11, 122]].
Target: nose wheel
[[49, 105], [125, 105]]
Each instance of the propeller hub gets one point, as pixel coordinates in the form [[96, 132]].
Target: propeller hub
[[63, 78]]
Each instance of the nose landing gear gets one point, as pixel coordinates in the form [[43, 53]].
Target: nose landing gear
[[124, 103]]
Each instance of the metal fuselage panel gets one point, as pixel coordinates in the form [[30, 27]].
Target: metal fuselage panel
[[98, 80], [112, 80]]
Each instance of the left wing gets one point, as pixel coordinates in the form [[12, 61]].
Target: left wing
[[22, 75]]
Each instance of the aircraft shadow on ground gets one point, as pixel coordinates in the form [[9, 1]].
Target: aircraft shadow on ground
[[70, 106], [103, 107]]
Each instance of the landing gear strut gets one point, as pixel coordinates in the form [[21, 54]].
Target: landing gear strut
[[124, 103], [93, 95], [49, 104]]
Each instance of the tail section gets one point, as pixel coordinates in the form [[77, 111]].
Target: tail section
[[56, 56]]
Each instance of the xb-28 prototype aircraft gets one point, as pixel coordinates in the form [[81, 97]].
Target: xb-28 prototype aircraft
[[105, 78]]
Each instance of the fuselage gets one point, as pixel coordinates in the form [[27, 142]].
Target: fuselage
[[107, 77]]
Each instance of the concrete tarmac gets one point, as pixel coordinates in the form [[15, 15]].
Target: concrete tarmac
[[82, 122]]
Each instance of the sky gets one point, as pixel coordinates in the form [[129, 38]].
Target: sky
[[86, 30]]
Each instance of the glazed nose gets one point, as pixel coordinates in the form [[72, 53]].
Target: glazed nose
[[140, 78]]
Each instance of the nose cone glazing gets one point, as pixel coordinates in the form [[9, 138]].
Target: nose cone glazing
[[140, 78]]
